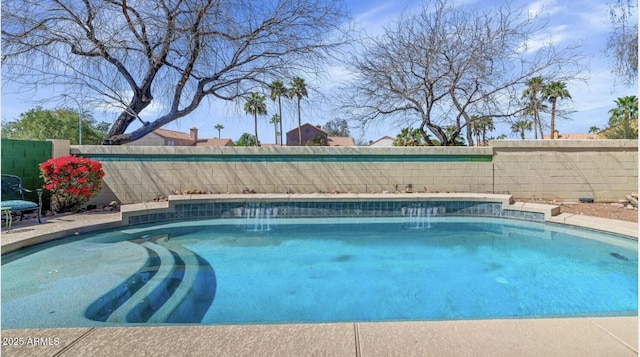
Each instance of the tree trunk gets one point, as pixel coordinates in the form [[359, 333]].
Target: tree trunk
[[255, 126], [139, 102], [553, 117], [119, 126], [540, 127], [299, 125], [280, 114], [424, 135], [469, 135], [536, 122], [275, 129]]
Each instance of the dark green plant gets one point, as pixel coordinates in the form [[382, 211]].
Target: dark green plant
[[42, 124], [337, 127], [246, 139], [409, 137], [318, 140]]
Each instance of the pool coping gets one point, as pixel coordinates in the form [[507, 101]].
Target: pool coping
[[527, 337], [599, 336], [29, 233]]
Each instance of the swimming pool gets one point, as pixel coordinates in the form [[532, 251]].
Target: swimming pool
[[238, 271]]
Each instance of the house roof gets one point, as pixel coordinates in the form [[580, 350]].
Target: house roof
[[214, 142], [170, 134], [574, 136], [386, 137], [340, 141], [316, 127]]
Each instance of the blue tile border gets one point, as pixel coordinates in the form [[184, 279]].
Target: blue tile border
[[323, 209], [289, 158]]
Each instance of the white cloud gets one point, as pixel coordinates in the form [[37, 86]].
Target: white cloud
[[553, 35], [544, 7], [372, 22], [374, 13], [337, 76], [596, 93], [595, 21]]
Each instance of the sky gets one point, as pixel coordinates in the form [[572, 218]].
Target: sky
[[585, 21]]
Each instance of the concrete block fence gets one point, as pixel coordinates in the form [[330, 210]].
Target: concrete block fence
[[605, 170], [561, 169]]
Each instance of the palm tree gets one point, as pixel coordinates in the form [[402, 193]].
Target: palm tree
[[535, 87], [480, 128], [450, 131], [594, 129], [552, 92], [277, 91], [476, 129], [275, 119], [623, 115], [218, 128], [299, 90], [520, 127], [627, 110], [409, 137], [487, 125], [255, 105]]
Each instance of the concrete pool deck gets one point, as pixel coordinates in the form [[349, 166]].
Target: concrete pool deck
[[590, 336], [611, 336]]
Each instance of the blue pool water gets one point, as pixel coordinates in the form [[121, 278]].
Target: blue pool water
[[322, 270]]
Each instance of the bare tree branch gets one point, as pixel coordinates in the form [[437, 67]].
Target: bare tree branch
[[173, 53], [622, 45], [446, 68]]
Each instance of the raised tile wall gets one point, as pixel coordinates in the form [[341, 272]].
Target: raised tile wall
[[314, 209]]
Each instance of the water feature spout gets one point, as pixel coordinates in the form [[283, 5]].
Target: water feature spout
[[419, 216], [258, 217]]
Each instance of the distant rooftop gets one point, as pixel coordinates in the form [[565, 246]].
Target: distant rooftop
[[214, 142], [574, 136]]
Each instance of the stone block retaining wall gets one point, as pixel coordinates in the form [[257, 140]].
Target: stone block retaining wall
[[558, 169], [605, 170]]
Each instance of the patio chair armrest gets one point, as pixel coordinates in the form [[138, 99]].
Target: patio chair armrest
[[39, 190]]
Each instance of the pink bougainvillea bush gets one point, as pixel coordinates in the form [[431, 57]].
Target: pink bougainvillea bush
[[72, 181]]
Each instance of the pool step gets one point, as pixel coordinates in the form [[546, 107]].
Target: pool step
[[180, 288], [164, 270], [190, 274]]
